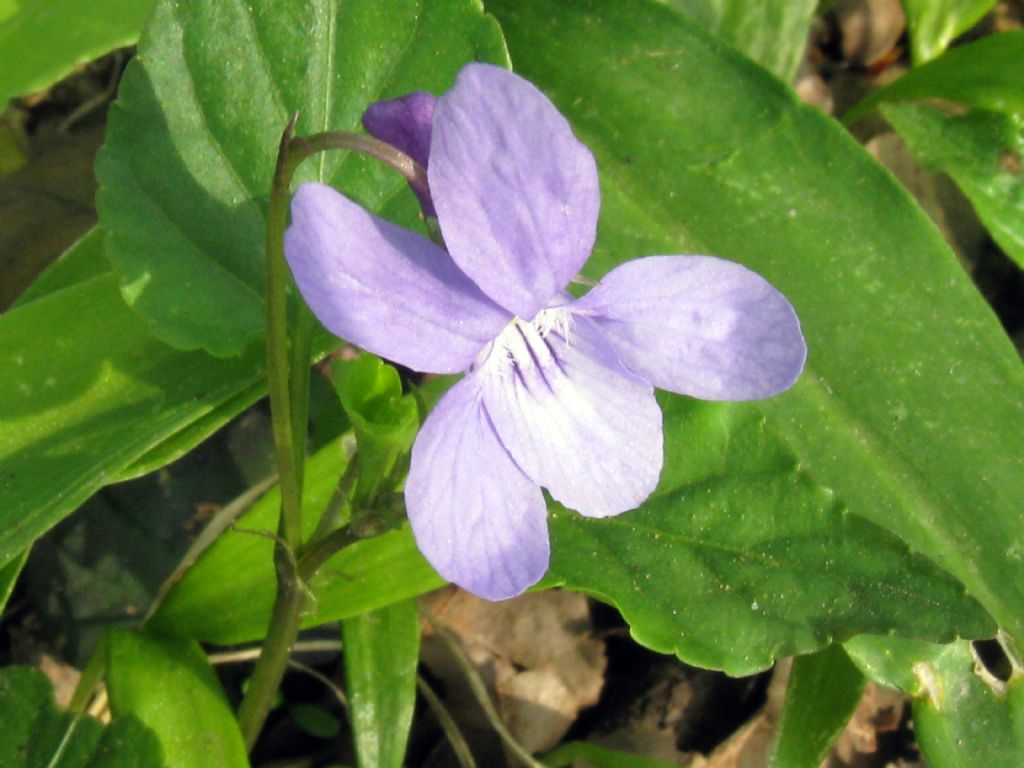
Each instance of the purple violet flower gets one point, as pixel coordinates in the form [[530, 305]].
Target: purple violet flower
[[558, 392]]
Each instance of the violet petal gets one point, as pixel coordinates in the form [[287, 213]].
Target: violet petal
[[405, 123], [572, 417], [476, 517], [385, 288], [700, 326], [516, 193]]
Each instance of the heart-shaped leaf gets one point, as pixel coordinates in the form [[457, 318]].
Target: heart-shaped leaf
[[193, 137], [911, 408]]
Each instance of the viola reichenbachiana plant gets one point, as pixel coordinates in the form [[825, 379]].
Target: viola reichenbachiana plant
[[810, 444], [559, 392]]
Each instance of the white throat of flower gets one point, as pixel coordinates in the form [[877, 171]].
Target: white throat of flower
[[523, 344]]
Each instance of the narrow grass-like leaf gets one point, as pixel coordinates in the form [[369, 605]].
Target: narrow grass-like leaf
[[9, 576], [382, 649], [824, 689], [934, 23], [986, 73]]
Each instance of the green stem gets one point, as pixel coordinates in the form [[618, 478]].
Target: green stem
[[415, 174], [447, 723], [278, 368], [281, 634], [319, 552], [288, 384], [302, 351], [290, 597]]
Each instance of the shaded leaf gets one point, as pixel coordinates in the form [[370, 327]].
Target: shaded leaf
[[984, 153], [35, 734], [45, 207]]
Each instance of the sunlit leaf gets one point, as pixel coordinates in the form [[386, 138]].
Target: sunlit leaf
[[934, 23], [382, 650], [41, 41], [771, 33], [170, 687]]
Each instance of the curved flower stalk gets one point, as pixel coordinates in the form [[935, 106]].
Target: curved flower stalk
[[558, 392]]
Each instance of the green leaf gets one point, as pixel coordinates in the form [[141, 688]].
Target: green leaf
[[87, 391], [740, 558], [81, 261], [42, 41], [772, 34], [9, 577], [982, 151], [192, 139], [35, 734], [315, 720], [890, 661], [974, 723], [382, 649], [383, 420], [985, 74], [934, 23], [168, 685], [226, 596], [573, 752], [961, 719], [824, 689], [912, 391]]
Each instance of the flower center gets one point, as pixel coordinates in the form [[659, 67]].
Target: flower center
[[524, 345]]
